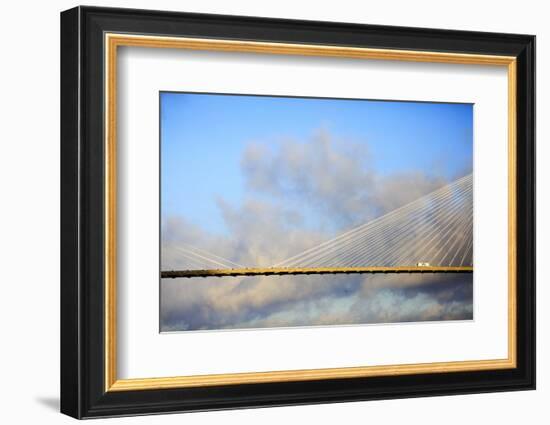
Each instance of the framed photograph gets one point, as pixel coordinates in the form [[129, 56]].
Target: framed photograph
[[261, 212]]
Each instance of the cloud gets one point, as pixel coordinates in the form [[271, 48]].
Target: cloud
[[314, 173], [266, 301], [336, 177], [298, 195]]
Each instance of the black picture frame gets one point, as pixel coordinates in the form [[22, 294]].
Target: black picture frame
[[83, 392]]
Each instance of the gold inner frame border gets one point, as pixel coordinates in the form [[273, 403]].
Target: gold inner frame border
[[111, 43]]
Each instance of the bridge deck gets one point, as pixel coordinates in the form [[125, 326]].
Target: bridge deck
[[171, 274]]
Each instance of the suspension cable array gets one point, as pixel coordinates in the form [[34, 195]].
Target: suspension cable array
[[431, 234]]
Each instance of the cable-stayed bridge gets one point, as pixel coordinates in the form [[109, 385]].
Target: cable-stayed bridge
[[432, 234]]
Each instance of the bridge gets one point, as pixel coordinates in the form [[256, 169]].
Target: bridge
[[433, 234]]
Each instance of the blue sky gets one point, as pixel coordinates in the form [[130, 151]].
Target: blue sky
[[203, 137]]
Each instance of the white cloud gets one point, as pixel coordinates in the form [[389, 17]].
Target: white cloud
[[299, 194]]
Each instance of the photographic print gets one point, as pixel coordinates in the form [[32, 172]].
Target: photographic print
[[292, 211]]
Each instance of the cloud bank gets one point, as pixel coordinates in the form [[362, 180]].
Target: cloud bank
[[299, 194]]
